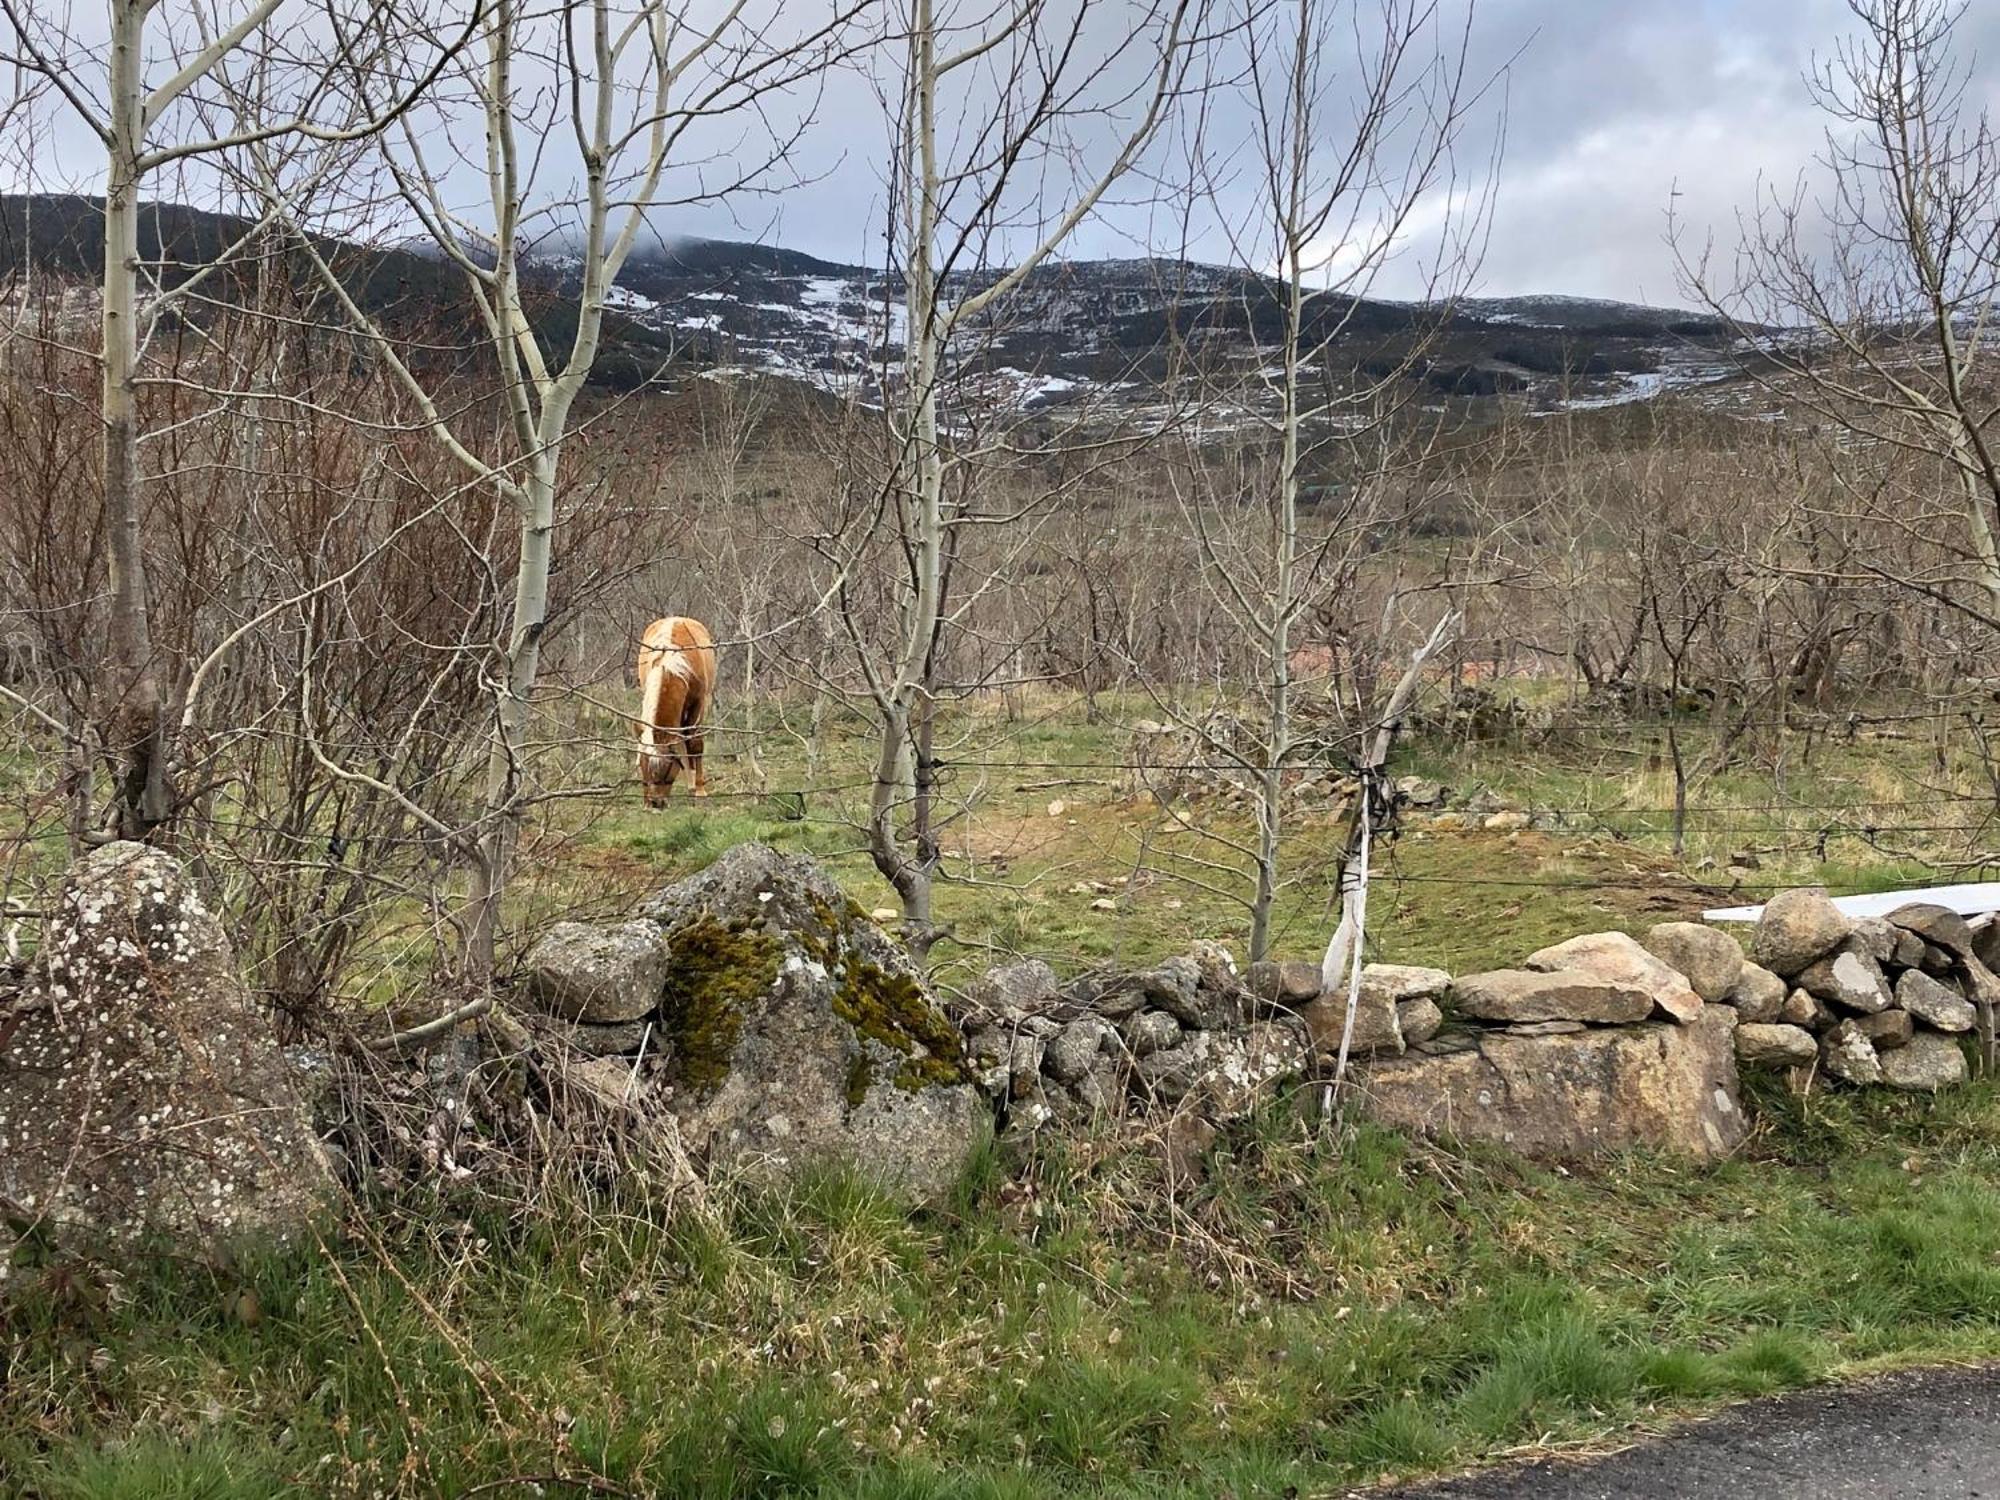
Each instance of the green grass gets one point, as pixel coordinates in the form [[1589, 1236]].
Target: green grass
[[1317, 1312], [1459, 897]]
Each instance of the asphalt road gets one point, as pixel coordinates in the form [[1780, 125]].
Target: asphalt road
[[1919, 1434]]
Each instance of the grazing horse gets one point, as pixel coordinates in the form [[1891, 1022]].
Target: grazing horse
[[676, 683]]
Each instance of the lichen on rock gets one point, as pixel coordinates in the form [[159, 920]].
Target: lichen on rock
[[144, 1095]]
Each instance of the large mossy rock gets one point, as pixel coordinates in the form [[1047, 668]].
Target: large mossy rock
[[794, 1031], [1573, 1095], [143, 1096]]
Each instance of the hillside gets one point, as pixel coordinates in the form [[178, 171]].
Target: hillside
[[1076, 334]]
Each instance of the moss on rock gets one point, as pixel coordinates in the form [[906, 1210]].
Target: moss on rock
[[716, 970], [860, 1077], [893, 1009]]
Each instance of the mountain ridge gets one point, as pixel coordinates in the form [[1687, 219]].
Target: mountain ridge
[[1075, 332]]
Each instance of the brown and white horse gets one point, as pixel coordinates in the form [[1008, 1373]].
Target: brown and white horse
[[676, 684]]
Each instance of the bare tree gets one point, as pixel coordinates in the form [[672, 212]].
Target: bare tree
[[632, 84], [135, 117], [1869, 300], [996, 107], [1355, 108]]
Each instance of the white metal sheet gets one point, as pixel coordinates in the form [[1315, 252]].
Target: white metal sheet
[[1967, 900]]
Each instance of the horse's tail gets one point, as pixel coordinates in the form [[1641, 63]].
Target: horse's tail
[[649, 715], [669, 660]]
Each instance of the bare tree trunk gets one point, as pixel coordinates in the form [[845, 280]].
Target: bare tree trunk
[[921, 493], [132, 707], [1278, 638]]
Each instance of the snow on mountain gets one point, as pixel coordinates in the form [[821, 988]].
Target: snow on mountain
[[1111, 333]]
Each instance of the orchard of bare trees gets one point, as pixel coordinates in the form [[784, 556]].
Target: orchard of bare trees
[[1178, 939], [323, 564]]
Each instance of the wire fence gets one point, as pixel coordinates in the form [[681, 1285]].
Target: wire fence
[[1914, 830]]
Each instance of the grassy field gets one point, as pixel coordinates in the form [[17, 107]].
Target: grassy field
[[1318, 1309], [1044, 825]]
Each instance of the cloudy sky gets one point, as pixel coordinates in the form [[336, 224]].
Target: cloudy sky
[[1610, 109]]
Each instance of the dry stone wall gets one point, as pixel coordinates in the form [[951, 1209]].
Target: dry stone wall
[[783, 1024], [1603, 1042], [1886, 1001]]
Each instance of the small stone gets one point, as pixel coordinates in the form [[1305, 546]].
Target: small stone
[[1058, 807], [1758, 994], [1419, 1020], [1929, 1063], [1877, 937], [1024, 1064], [1888, 1029], [1617, 958], [600, 975], [1029, 1116], [886, 915], [1795, 928], [1506, 822], [620, 1039], [1011, 989], [1850, 979], [1803, 1008], [1516, 995], [1848, 1055], [1446, 1043], [1909, 950], [1396, 983], [1289, 984], [1759, 1045], [1072, 1050], [1418, 791], [1195, 990], [1939, 926], [1104, 903], [1150, 1031], [1377, 1027], [1986, 941], [1118, 1004], [1096, 1090], [1937, 1005], [1711, 960]]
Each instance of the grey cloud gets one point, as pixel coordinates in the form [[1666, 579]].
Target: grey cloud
[[1615, 109]]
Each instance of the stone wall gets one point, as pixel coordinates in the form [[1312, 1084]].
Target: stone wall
[[1603, 1042], [1886, 1001]]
